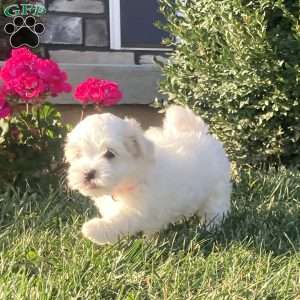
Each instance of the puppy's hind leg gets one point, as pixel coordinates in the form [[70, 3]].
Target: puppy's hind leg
[[217, 206]]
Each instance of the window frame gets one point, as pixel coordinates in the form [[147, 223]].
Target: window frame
[[115, 30]]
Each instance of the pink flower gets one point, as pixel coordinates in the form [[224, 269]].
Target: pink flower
[[98, 91], [5, 110], [82, 93], [54, 78], [31, 79], [111, 94], [21, 61], [21, 51], [29, 87]]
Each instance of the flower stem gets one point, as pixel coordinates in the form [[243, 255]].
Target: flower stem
[[98, 108], [38, 116], [82, 112]]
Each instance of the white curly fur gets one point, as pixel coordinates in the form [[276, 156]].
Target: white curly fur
[[155, 178]]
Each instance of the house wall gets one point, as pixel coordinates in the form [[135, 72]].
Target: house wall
[[77, 36], [84, 25], [4, 44], [78, 25]]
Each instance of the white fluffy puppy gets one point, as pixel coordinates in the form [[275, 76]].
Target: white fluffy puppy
[[143, 181]]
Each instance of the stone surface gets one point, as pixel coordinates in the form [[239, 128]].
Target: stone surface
[[78, 6], [146, 59], [4, 49], [138, 83], [62, 30], [92, 57], [3, 21], [96, 33], [4, 39], [149, 59]]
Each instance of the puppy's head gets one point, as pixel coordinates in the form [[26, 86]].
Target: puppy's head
[[105, 152]]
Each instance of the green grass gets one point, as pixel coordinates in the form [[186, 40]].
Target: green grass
[[255, 255]]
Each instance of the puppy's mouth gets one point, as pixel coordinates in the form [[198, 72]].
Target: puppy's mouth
[[90, 185]]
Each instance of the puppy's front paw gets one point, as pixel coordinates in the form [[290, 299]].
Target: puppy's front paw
[[99, 231]]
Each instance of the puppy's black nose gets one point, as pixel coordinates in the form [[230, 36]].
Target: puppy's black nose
[[90, 175]]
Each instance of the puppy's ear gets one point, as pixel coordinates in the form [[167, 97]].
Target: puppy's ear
[[136, 143]]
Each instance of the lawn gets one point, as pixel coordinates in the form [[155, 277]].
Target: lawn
[[255, 255]]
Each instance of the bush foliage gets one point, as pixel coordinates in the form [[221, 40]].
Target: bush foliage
[[31, 144], [236, 63]]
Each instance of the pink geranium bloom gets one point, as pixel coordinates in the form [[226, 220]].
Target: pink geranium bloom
[[29, 78], [111, 94], [22, 61], [54, 78], [82, 93], [98, 91], [5, 110], [22, 52], [29, 87]]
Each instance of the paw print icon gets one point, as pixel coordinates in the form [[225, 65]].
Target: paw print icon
[[24, 32]]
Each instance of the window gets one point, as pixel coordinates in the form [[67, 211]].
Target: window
[[131, 24]]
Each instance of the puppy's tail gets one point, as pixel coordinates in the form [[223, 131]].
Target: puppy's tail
[[182, 120]]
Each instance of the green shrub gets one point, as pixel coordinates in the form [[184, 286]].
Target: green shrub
[[236, 63], [31, 145]]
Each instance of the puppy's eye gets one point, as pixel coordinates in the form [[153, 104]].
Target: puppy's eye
[[109, 155]]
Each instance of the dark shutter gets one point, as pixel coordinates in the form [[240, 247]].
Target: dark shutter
[[137, 28]]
